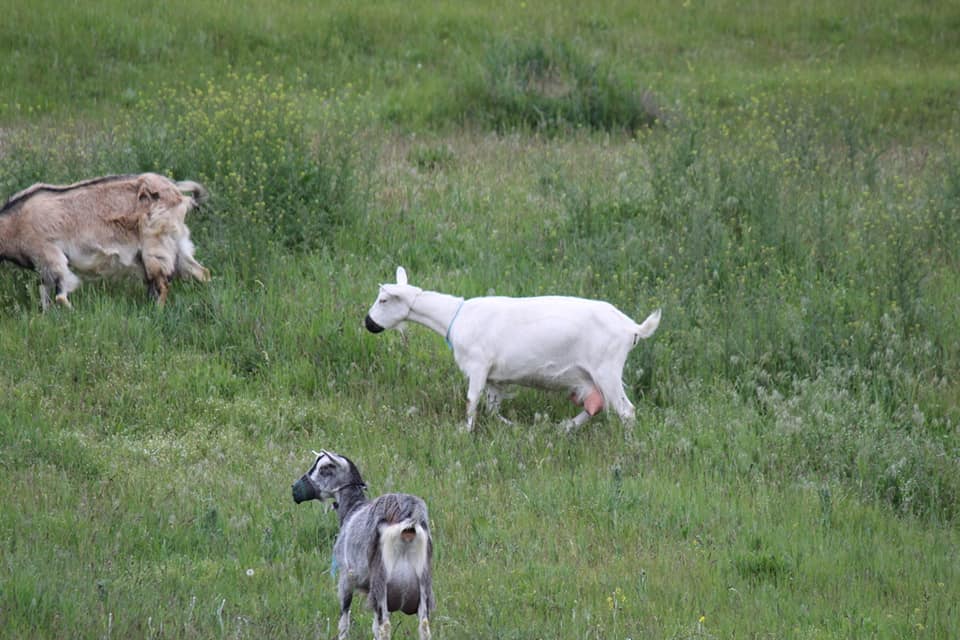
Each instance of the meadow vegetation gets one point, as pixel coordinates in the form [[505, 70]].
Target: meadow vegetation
[[784, 182]]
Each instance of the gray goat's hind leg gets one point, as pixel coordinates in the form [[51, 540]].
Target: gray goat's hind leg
[[426, 604]]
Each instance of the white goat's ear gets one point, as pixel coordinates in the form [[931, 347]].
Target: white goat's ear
[[317, 453], [401, 275]]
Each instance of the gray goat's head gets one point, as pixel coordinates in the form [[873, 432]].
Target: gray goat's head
[[329, 474]]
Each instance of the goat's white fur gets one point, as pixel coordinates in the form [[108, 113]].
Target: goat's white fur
[[552, 342]]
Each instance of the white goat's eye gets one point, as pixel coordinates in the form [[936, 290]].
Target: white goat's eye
[[382, 301]]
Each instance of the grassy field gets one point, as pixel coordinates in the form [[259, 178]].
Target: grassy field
[[783, 179]]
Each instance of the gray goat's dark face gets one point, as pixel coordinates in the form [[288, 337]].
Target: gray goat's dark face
[[329, 473]]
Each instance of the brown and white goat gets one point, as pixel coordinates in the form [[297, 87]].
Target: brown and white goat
[[101, 227]]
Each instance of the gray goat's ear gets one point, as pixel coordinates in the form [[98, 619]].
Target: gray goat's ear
[[317, 454]]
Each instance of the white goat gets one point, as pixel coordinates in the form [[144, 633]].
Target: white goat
[[101, 227], [550, 342], [384, 546]]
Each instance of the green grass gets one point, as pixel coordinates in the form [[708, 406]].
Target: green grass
[[795, 211]]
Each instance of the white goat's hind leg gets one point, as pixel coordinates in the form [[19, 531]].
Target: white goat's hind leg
[[575, 423], [495, 396], [617, 399]]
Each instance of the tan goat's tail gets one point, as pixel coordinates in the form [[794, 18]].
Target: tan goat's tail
[[200, 193]]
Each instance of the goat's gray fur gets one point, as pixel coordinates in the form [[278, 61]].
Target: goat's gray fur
[[384, 546]]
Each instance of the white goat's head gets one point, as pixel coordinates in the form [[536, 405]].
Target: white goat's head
[[392, 305], [329, 474]]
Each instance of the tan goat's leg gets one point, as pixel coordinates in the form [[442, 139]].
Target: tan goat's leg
[[158, 289], [56, 275]]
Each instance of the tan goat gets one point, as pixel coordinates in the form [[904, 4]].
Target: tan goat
[[101, 227]]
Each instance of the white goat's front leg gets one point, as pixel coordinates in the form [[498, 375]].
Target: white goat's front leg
[[477, 382]]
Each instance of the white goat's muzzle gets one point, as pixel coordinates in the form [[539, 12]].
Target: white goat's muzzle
[[371, 325]]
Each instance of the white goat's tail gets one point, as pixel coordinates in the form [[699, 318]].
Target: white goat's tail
[[649, 325], [200, 193], [405, 542]]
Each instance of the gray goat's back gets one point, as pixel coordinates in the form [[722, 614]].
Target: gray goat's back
[[357, 542]]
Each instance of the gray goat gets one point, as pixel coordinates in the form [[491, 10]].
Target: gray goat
[[384, 546], [101, 227]]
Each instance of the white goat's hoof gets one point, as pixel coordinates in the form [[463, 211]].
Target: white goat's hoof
[[569, 426]]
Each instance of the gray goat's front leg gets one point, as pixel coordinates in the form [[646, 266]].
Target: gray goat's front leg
[[346, 597]]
